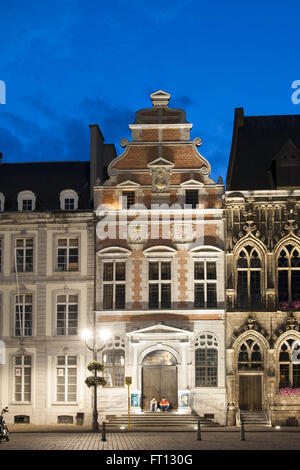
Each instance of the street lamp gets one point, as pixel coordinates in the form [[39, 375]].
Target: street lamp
[[104, 334]]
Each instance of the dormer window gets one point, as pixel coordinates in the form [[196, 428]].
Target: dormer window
[[26, 201], [2, 202], [68, 200]]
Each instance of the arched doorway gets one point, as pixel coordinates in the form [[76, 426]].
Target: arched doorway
[[159, 378]]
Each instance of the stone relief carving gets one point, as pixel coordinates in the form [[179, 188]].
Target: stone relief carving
[[160, 180]]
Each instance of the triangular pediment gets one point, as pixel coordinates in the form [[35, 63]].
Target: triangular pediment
[[192, 182], [287, 151], [160, 162], [128, 184], [158, 329]]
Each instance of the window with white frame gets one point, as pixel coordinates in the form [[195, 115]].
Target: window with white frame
[[114, 285], [69, 200], [66, 378], [22, 378], [67, 254], [205, 284], [24, 255], [113, 358], [23, 315], [26, 201], [206, 361], [159, 284], [66, 314]]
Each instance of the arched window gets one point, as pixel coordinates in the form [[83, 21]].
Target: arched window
[[206, 361], [26, 201], [288, 266], [113, 358], [250, 356], [248, 278], [68, 200], [289, 364]]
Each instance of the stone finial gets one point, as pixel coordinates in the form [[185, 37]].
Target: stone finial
[[160, 99]]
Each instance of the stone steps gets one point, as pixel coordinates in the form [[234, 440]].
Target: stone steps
[[255, 418], [164, 421]]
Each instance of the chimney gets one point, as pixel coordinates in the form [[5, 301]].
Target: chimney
[[97, 140], [239, 117]]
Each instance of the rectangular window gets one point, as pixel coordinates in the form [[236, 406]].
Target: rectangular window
[[69, 204], [67, 254], [66, 378], [27, 205], [24, 255], [255, 294], [22, 378], [192, 198], [1, 254], [67, 315], [242, 289], [295, 285], [283, 286], [128, 199], [205, 285], [114, 285], [284, 376], [296, 375], [114, 360], [160, 284], [206, 367], [23, 315]]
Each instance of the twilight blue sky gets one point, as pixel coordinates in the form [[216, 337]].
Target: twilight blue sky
[[70, 63]]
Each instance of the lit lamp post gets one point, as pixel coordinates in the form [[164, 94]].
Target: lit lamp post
[[105, 334]]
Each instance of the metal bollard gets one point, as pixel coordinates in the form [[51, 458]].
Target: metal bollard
[[242, 431], [103, 439], [199, 431]]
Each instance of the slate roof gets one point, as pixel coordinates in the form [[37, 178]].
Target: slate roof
[[46, 180], [256, 142]]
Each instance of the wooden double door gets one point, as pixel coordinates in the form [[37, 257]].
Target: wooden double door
[[250, 392], [159, 382]]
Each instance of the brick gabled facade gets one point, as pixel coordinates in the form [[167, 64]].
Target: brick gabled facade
[[173, 272]]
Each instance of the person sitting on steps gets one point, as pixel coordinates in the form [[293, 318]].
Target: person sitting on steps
[[164, 404], [153, 404]]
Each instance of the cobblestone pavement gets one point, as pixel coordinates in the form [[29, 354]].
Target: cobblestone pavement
[[153, 441]]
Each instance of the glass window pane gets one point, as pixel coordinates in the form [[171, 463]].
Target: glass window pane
[[211, 270], [108, 272], [153, 271], [166, 271], [199, 270], [283, 287], [120, 271], [153, 295], [199, 295], [211, 295], [108, 296], [120, 296], [166, 296]]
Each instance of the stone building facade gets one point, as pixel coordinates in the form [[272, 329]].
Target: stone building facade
[[160, 279], [47, 285], [263, 268]]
